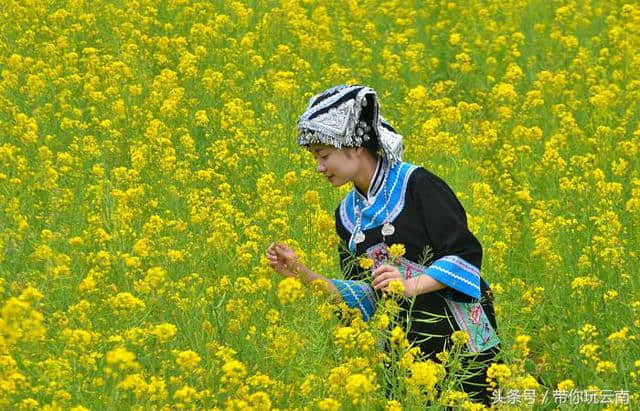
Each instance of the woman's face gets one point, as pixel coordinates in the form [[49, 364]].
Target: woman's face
[[338, 166]]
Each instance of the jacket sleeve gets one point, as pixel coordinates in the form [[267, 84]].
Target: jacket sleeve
[[354, 290], [457, 252]]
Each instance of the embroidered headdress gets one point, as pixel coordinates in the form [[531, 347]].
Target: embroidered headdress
[[348, 116]]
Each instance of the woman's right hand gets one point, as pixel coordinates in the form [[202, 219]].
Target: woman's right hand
[[282, 259]]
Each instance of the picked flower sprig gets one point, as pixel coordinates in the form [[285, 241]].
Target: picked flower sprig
[[388, 277]]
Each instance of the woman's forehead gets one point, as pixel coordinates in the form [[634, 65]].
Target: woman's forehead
[[314, 148]]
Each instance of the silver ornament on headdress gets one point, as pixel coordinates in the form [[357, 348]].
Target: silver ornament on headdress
[[333, 119]]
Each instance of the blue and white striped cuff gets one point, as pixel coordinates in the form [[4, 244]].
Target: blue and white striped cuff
[[357, 294], [456, 273]]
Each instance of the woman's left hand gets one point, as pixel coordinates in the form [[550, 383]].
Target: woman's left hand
[[282, 259], [384, 274]]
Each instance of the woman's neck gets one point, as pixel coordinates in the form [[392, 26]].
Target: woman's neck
[[362, 181]]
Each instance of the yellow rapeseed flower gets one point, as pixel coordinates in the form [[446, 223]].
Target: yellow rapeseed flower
[[382, 321], [453, 398], [201, 118], [359, 386], [398, 338], [499, 372], [328, 404], [345, 337], [588, 332], [610, 295], [396, 287], [233, 371], [566, 385], [529, 382], [188, 360], [590, 351], [338, 377], [125, 303], [425, 374], [618, 337], [122, 358], [260, 401], [76, 241], [460, 337], [393, 405], [319, 287], [397, 250], [605, 366], [186, 394], [290, 290], [365, 263]]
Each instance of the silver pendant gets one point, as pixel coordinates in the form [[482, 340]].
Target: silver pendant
[[359, 237], [388, 229]]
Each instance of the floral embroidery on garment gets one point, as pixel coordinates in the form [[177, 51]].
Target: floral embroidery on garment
[[472, 319]]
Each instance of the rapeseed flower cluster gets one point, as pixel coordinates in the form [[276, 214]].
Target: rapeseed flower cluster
[[290, 290]]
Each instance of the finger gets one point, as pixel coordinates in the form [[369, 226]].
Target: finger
[[392, 269], [381, 269], [390, 275], [378, 271], [383, 285], [376, 281], [387, 276]]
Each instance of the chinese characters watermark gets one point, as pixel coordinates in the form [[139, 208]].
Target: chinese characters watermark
[[572, 397]]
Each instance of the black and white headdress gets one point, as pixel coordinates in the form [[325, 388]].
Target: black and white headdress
[[348, 116]]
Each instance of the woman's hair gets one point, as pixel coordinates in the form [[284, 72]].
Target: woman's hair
[[372, 145]]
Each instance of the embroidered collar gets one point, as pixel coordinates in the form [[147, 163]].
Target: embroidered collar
[[388, 199]]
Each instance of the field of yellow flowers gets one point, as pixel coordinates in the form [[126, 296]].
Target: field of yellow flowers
[[148, 158]]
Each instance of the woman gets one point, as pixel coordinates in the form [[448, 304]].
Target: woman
[[393, 202]]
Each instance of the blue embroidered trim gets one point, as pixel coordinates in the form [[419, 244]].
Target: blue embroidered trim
[[456, 273], [357, 294], [374, 215]]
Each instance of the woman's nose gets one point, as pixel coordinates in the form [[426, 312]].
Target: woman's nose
[[321, 168]]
